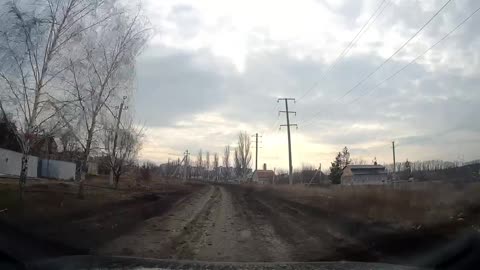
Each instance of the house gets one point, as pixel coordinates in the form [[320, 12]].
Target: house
[[8, 139], [263, 176], [364, 175]]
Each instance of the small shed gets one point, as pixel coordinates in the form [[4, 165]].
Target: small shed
[[364, 175]]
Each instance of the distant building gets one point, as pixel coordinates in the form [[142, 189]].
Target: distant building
[[263, 176], [364, 175]]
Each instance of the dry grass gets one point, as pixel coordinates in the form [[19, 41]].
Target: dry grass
[[49, 199], [408, 205]]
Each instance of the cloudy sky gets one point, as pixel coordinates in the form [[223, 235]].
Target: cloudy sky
[[215, 68]]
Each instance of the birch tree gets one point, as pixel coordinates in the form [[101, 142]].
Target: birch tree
[[127, 141], [102, 74], [34, 41]]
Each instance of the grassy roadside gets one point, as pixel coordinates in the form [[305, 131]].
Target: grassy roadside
[[52, 212], [419, 204]]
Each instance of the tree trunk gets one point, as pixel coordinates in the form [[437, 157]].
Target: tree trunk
[[83, 176], [83, 165], [111, 181], [117, 179], [23, 176]]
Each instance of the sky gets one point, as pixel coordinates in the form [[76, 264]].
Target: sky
[[215, 68]]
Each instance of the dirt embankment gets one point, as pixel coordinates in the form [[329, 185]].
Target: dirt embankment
[[55, 223]]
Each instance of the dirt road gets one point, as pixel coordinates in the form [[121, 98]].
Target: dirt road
[[214, 223], [233, 223]]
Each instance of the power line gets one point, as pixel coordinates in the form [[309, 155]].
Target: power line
[[352, 43], [397, 51], [416, 58], [308, 123], [384, 62], [274, 124]]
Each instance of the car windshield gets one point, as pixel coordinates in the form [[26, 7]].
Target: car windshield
[[239, 131]]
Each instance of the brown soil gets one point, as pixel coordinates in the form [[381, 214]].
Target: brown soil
[[234, 223], [231, 223], [53, 222]]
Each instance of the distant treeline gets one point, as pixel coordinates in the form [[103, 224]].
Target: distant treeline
[[426, 165], [437, 170]]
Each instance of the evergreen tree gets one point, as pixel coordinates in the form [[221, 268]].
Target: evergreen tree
[[336, 169]]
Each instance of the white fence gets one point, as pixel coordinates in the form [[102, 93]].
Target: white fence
[[57, 169], [11, 163]]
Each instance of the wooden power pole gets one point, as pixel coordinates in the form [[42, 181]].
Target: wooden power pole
[[393, 147], [185, 163], [288, 125], [113, 159]]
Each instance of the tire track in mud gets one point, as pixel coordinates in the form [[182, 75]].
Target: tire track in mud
[[216, 224], [225, 230], [233, 223], [312, 237], [154, 237], [264, 239], [187, 245]]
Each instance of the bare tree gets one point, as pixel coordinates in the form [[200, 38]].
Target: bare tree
[[215, 166], [357, 161], [127, 146], [243, 152], [207, 164], [237, 163], [226, 161], [33, 47], [102, 74], [69, 144], [200, 163]]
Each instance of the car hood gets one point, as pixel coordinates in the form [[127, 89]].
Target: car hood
[[105, 262]]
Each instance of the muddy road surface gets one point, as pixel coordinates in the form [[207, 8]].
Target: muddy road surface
[[234, 223]]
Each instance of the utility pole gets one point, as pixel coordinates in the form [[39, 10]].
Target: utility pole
[[393, 147], [115, 137], [315, 174], [288, 125], [185, 163], [256, 150]]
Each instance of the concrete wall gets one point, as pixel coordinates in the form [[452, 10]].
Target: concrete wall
[[11, 163], [57, 169]]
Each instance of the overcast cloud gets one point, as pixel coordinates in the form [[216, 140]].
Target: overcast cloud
[[215, 68]]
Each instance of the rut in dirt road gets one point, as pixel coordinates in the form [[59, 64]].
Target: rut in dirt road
[[212, 225], [236, 223]]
